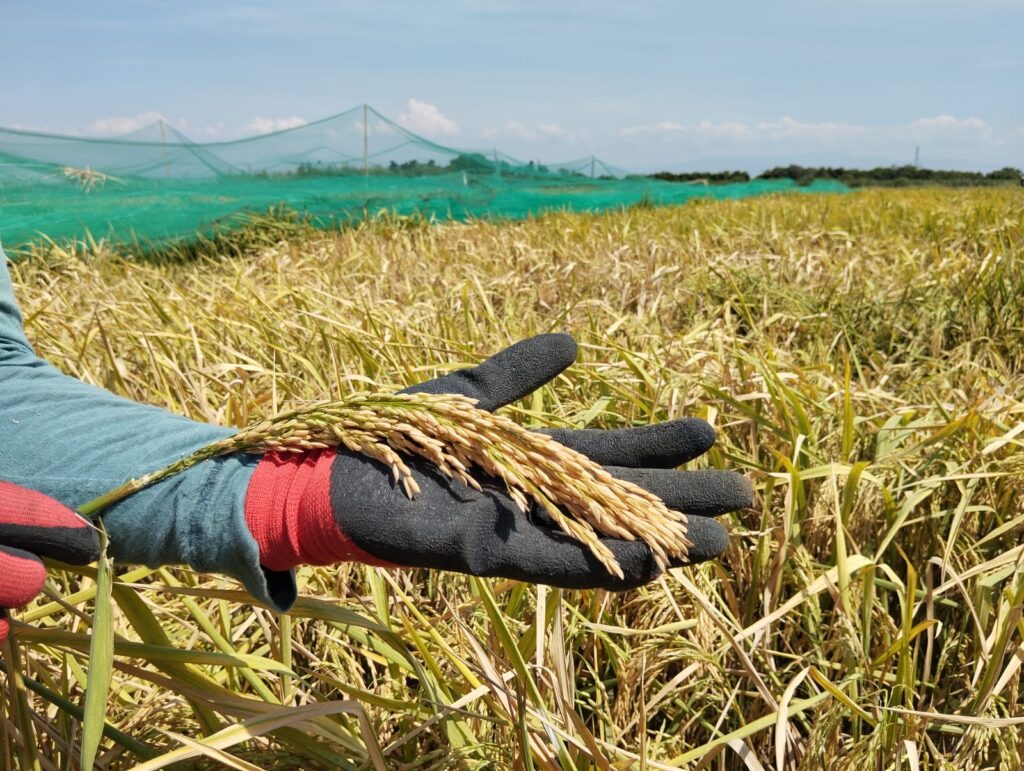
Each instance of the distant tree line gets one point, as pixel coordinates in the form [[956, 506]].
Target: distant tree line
[[474, 163], [894, 176], [708, 177], [882, 176]]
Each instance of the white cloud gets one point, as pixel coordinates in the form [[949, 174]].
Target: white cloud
[[380, 127], [705, 131], [661, 128], [45, 129], [950, 129], [123, 124], [552, 130], [782, 129], [211, 131], [515, 129], [786, 129], [424, 118], [268, 125]]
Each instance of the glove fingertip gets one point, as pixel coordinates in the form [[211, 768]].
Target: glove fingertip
[[81, 547], [19, 505], [560, 346], [675, 442], [708, 538], [527, 365], [510, 374], [701, 433], [24, 577]]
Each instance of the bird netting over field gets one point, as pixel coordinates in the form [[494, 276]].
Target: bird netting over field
[[155, 184]]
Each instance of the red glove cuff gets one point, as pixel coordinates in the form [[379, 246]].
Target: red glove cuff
[[288, 511]]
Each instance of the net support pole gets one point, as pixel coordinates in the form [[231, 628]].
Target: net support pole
[[366, 140], [593, 161], [163, 144]]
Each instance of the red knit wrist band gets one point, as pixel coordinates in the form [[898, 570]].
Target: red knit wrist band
[[288, 511]]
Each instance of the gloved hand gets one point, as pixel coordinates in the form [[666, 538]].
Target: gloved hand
[[330, 506], [252, 518], [33, 526]]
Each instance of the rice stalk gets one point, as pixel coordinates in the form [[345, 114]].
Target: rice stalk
[[448, 430]]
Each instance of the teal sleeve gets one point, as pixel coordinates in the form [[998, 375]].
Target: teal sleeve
[[74, 442]]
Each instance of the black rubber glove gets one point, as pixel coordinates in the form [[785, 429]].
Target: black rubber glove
[[452, 527]]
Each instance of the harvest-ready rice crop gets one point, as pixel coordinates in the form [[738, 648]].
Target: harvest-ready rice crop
[[859, 356]]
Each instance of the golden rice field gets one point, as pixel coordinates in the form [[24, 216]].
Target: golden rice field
[[861, 357]]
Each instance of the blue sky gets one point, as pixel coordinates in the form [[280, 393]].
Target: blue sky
[[645, 85]]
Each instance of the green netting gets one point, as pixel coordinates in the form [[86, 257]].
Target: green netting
[[155, 184]]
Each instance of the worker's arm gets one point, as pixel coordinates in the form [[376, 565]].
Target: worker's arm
[[238, 513], [12, 336], [74, 442]]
